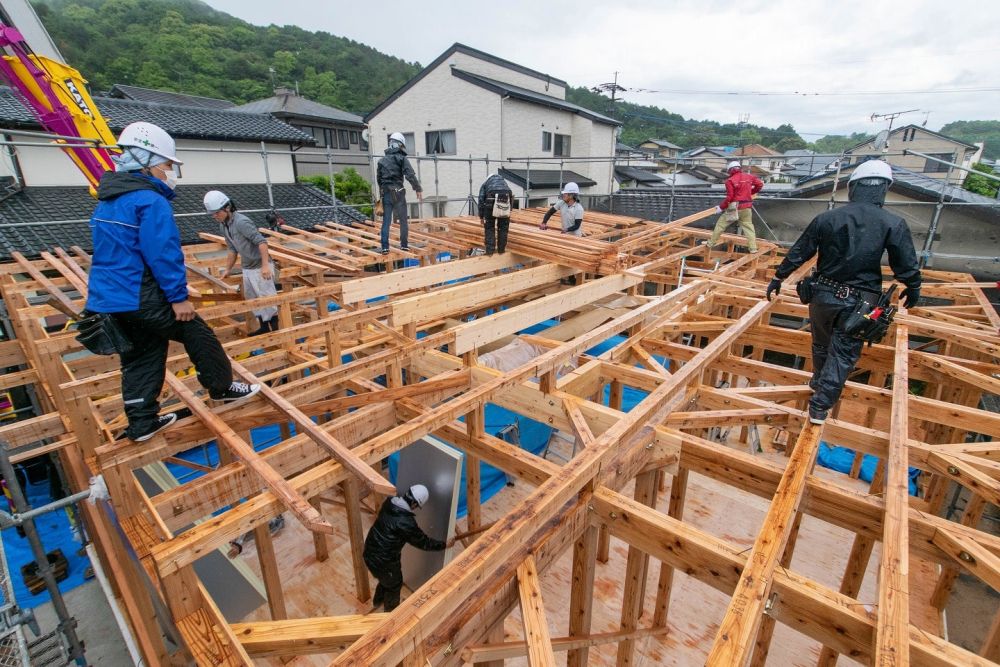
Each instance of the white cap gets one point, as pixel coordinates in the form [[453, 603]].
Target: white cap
[[398, 136], [571, 189], [735, 164], [420, 494], [215, 201], [872, 169], [152, 138]]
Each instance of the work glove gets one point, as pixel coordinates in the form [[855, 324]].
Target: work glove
[[773, 287], [910, 296]]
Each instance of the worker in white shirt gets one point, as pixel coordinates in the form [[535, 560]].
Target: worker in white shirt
[[570, 210]]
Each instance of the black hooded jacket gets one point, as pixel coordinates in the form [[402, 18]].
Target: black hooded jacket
[[393, 168], [394, 528], [850, 241], [494, 183]]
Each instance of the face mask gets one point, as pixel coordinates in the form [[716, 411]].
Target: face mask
[[170, 178]]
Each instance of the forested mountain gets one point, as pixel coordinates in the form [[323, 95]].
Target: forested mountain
[[186, 46]]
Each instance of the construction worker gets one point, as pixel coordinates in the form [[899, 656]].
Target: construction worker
[[850, 241], [740, 189], [392, 169], [138, 275], [246, 242], [395, 527], [493, 190], [570, 210]]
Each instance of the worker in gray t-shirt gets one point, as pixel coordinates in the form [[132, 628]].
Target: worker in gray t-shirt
[[246, 242], [570, 210]]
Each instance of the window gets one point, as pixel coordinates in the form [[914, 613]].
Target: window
[[411, 144], [318, 133], [441, 142], [362, 142], [932, 167], [562, 143], [354, 137], [342, 139], [546, 141]]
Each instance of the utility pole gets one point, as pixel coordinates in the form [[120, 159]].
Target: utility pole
[[741, 124], [612, 88]]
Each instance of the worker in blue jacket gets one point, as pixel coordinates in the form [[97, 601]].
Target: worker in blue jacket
[[138, 275]]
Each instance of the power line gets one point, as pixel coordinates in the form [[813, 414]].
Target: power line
[[797, 93]]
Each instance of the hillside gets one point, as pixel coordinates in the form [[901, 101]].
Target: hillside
[[972, 131], [186, 46]]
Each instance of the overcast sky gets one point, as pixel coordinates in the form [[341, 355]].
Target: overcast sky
[[863, 57]]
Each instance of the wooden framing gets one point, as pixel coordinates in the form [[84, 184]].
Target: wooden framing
[[726, 367]]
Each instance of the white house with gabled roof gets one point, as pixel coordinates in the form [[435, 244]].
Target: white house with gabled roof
[[470, 103]]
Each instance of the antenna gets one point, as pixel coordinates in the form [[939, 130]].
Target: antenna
[[927, 114], [891, 116], [610, 87], [881, 140]]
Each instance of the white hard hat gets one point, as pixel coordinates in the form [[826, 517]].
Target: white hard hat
[[420, 494], [872, 169], [151, 137], [571, 189], [735, 164], [215, 201], [398, 136]]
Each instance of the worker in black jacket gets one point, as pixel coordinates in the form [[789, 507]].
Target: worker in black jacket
[[392, 169], [494, 228], [850, 241], [394, 528]]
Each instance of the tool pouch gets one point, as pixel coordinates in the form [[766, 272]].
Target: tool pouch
[[804, 288], [101, 334], [870, 323]]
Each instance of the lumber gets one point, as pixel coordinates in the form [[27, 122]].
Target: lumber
[[536, 627]]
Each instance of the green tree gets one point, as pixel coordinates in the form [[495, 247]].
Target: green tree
[[971, 131], [980, 184], [837, 143], [349, 186]]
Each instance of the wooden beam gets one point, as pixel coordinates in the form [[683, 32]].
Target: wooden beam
[[971, 556], [536, 627], [581, 429], [303, 636], [298, 505], [482, 653], [636, 566], [337, 450], [581, 601], [735, 638], [892, 645]]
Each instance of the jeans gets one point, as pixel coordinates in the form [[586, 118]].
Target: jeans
[[394, 201]]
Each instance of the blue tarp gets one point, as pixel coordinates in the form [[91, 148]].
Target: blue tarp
[[841, 459]]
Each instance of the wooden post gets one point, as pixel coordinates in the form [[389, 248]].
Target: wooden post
[[675, 509], [352, 503], [766, 632], [582, 594], [536, 627], [474, 424], [635, 574], [269, 572], [321, 542], [970, 517]]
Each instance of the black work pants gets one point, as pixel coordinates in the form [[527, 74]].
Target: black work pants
[[495, 233], [834, 353], [151, 328], [390, 584]]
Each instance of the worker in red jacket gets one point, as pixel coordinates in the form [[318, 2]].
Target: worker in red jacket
[[740, 189]]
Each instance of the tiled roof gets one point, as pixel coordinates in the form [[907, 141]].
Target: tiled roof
[[179, 120], [526, 95], [37, 219], [655, 205], [138, 94], [663, 143], [291, 104], [638, 175], [545, 178], [755, 150]]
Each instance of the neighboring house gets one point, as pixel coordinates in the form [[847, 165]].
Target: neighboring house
[[770, 162], [922, 140], [713, 157], [804, 163], [636, 177], [123, 92], [200, 133], [662, 148], [337, 133], [48, 204], [470, 103]]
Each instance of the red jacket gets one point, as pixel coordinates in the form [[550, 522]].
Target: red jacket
[[740, 188]]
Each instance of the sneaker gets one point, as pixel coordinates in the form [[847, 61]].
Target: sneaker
[[816, 416], [404, 248], [237, 391], [162, 422], [385, 251], [704, 242], [477, 252]]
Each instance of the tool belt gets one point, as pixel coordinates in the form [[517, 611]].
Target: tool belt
[[870, 323], [100, 333], [839, 289]]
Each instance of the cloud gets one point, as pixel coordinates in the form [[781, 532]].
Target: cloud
[[839, 49]]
